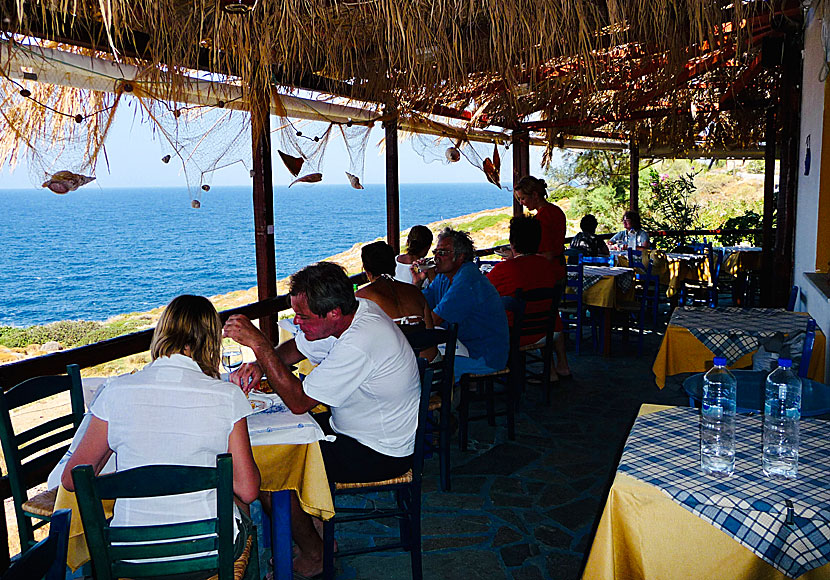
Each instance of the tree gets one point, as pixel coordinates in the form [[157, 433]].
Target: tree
[[671, 206]]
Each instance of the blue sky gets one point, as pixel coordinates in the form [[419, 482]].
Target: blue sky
[[133, 160]]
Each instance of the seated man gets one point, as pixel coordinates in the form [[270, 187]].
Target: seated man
[[366, 373], [587, 241], [527, 270], [461, 293]]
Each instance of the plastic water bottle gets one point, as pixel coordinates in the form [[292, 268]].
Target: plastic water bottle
[[782, 412], [717, 420]]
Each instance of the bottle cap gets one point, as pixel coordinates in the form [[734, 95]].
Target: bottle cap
[[719, 361], [785, 362]]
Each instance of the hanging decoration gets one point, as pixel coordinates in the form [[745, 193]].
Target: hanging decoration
[[354, 181], [66, 181], [492, 167], [293, 164], [452, 154], [310, 178]]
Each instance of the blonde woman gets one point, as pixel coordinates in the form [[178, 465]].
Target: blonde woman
[[175, 411]]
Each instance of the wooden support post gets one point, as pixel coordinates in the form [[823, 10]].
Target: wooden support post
[[789, 122], [521, 163], [263, 197], [768, 237], [393, 195], [634, 173]]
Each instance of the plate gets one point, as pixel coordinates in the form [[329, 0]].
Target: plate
[[258, 404]]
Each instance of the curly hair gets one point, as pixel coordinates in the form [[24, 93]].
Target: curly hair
[[462, 243]]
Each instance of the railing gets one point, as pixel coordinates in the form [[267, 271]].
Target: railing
[[102, 352]]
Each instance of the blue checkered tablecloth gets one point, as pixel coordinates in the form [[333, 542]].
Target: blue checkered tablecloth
[[623, 277], [733, 332], [663, 450]]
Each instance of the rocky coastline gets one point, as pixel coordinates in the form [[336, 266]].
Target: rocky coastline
[[488, 228]]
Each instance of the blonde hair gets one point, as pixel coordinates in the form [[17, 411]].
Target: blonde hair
[[190, 321]]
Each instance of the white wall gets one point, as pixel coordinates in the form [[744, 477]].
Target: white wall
[[812, 112]]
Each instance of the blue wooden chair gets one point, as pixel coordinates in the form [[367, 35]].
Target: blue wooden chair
[[407, 492], [597, 260], [807, 349], [794, 293], [648, 284], [571, 308], [30, 454], [47, 558], [443, 379]]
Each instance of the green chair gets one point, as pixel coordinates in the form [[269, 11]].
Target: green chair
[[202, 545], [31, 454], [47, 558]]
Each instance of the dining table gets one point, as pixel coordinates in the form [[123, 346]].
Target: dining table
[[697, 334], [603, 288], [673, 268], [287, 451], [664, 518], [739, 260]]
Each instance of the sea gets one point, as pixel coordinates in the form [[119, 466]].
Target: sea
[[95, 253]]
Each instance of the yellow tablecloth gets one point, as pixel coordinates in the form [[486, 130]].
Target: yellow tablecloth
[[296, 467], [644, 534], [673, 271], [605, 293], [738, 262], [681, 352]]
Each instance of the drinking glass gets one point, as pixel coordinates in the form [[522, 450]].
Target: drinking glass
[[231, 357]]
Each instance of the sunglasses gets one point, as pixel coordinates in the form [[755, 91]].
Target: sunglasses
[[442, 252]]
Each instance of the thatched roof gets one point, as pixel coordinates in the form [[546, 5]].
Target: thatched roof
[[676, 73]]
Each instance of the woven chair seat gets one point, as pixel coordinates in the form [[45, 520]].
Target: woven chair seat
[[434, 402], [405, 478], [535, 346], [43, 504], [500, 373], [240, 565]]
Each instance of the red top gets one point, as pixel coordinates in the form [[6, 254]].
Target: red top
[[525, 272], [553, 236]]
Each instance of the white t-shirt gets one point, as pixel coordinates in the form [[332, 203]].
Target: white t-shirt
[[403, 272], [369, 379], [168, 413], [631, 238]]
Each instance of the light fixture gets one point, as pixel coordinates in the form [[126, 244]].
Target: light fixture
[[237, 6]]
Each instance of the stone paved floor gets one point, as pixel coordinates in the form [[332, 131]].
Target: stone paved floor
[[527, 509]]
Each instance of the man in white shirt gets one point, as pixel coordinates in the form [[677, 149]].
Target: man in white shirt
[[366, 373]]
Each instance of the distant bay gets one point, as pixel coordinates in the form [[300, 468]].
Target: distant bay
[[95, 253]]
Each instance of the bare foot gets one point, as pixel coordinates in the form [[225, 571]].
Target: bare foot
[[307, 566]]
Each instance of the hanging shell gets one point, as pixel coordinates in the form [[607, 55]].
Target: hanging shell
[[491, 173], [293, 164], [453, 154], [354, 181], [310, 178], [66, 181], [195, 203], [166, 159]]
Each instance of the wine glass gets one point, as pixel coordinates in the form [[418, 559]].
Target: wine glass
[[231, 357]]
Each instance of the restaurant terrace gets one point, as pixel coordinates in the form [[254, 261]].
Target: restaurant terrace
[[654, 78]]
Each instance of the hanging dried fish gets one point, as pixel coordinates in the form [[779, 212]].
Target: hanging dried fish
[[491, 173], [66, 181], [293, 164], [496, 158], [310, 178], [354, 180]]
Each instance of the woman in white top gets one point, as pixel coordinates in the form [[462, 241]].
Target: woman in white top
[[418, 243], [176, 411], [632, 236]]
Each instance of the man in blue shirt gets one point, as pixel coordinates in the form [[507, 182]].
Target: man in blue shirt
[[461, 293]]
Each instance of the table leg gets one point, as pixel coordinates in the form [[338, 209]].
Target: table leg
[[606, 332], [281, 534]]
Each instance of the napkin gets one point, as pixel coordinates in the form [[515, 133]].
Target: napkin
[[275, 424]]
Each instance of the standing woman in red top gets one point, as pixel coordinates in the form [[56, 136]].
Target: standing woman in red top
[[531, 192]]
